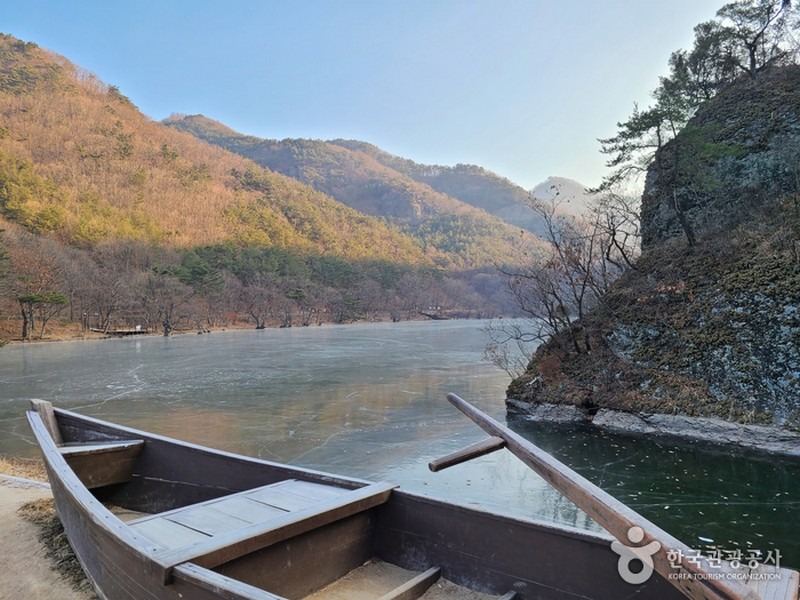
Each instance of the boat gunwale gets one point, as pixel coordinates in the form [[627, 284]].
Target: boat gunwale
[[90, 506], [311, 474]]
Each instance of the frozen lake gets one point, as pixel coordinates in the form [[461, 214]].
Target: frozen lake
[[368, 400]]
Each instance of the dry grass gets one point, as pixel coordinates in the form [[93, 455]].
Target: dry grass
[[27, 468], [42, 513]]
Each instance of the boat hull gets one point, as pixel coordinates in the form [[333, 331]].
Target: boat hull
[[476, 548]]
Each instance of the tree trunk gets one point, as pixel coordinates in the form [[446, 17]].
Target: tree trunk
[[685, 225], [27, 325]]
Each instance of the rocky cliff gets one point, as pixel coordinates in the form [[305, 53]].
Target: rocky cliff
[[739, 153], [708, 323]]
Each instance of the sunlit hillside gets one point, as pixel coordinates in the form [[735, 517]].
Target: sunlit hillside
[[110, 220], [457, 233], [470, 184], [79, 161]]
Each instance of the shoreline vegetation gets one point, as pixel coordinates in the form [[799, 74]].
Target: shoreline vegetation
[[74, 332]]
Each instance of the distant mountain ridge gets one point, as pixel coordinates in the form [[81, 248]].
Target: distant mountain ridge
[[376, 182], [353, 178], [471, 184], [572, 197]]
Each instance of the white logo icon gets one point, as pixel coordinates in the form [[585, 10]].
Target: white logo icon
[[628, 554]]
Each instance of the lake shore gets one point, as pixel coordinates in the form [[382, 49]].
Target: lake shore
[[74, 333], [69, 334], [763, 438]]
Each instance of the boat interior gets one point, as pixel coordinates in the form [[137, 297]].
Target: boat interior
[[285, 534]]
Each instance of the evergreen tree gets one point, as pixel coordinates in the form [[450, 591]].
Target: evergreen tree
[[746, 37]]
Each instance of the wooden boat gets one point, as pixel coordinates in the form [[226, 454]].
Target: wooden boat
[[214, 525]]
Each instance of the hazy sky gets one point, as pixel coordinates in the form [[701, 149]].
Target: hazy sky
[[521, 87]]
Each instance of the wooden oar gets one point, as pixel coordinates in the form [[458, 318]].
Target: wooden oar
[[481, 448], [696, 578]]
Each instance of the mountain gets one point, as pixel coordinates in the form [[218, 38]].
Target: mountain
[[108, 218], [448, 208], [572, 197], [349, 177], [93, 165], [481, 188], [78, 161], [707, 324], [470, 184]]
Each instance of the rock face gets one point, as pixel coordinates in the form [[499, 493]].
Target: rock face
[[740, 151], [710, 429], [710, 329]]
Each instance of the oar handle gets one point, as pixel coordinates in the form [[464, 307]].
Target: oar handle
[[481, 448]]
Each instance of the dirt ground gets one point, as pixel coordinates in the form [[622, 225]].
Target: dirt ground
[[25, 570]]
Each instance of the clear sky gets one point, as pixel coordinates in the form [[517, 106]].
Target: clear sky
[[521, 87]]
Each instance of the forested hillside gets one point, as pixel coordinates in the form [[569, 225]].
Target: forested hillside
[[471, 184], [79, 161], [451, 217], [114, 220]]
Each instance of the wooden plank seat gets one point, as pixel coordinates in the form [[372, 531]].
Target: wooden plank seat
[[102, 463], [216, 531], [379, 580], [418, 586], [71, 449], [97, 463]]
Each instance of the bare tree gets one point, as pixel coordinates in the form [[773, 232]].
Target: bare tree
[[371, 298], [258, 299], [220, 303], [412, 295], [38, 267], [615, 213], [566, 278], [511, 344], [163, 300], [49, 305], [107, 290]]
